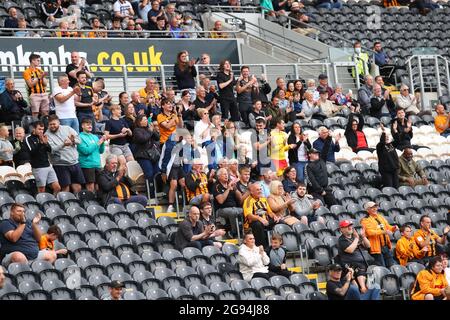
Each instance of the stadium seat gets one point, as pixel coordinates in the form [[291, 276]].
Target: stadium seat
[[264, 287], [156, 294], [223, 291], [284, 286]]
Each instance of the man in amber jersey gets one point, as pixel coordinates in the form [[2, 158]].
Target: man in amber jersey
[[426, 237], [406, 249], [37, 84]]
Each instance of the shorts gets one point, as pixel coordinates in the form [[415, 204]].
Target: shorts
[[41, 254], [176, 173], [120, 150], [39, 102], [44, 176], [90, 174], [68, 175]]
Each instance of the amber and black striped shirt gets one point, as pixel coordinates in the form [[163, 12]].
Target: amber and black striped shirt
[[30, 74]]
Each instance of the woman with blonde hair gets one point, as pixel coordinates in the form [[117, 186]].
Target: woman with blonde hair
[[202, 129], [280, 202]]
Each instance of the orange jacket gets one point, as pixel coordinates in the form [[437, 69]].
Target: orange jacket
[[420, 237], [375, 232], [428, 282], [407, 249]]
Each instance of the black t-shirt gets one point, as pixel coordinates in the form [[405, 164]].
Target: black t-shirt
[[332, 286], [72, 81], [226, 93], [115, 127], [86, 97], [230, 201], [356, 256]]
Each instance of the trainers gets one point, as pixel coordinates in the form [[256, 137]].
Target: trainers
[[170, 208]]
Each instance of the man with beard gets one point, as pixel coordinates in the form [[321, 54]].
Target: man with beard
[[63, 141], [84, 100]]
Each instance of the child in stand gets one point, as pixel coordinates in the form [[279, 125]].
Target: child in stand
[[47, 243], [277, 255]]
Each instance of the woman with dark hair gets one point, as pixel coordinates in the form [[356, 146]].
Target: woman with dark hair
[[184, 71], [290, 182], [298, 86], [145, 138], [227, 100], [356, 139], [298, 156], [187, 109], [430, 282]]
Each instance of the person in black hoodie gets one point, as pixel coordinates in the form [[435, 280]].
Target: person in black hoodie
[[317, 178], [184, 71], [356, 139], [388, 163], [144, 140], [298, 156], [37, 146]]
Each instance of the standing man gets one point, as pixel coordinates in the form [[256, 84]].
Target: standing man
[[37, 145], [317, 179], [244, 87], [325, 145], [426, 237], [78, 64], [37, 86], [84, 100], [63, 141], [63, 96], [378, 231]]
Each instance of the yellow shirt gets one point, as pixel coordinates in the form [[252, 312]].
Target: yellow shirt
[[258, 207], [278, 145], [420, 237], [164, 133], [407, 249], [143, 94], [44, 243], [440, 120]]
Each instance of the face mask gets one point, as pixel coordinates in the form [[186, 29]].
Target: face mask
[[358, 50]]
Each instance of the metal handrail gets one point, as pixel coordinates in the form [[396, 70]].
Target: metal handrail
[[262, 39]]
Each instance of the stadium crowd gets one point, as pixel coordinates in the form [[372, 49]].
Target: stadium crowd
[[192, 136]]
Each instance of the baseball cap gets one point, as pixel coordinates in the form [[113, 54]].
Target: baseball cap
[[345, 223], [323, 76], [116, 284], [369, 204], [313, 150], [335, 267]]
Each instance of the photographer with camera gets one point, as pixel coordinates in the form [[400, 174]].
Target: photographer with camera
[[349, 251]]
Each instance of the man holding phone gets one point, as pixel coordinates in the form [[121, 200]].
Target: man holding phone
[[36, 81]]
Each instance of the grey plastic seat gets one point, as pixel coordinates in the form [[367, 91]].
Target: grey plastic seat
[[202, 292], [180, 293], [156, 294]]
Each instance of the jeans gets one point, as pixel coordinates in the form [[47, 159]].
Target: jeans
[[71, 122], [199, 244], [150, 170], [138, 198], [354, 294], [300, 168], [168, 147], [385, 259]]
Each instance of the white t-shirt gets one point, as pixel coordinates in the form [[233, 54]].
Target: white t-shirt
[[199, 128], [65, 110], [123, 8]]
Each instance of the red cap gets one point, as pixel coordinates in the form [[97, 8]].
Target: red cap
[[345, 223]]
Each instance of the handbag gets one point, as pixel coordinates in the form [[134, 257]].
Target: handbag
[[153, 153]]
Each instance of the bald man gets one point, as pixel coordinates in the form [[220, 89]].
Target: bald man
[[78, 64]]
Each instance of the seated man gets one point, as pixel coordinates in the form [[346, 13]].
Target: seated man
[[207, 219], [346, 288], [407, 101], [406, 249], [410, 173], [217, 31], [115, 291], [114, 186], [442, 121], [257, 214], [226, 201], [305, 205], [12, 102], [197, 184], [192, 233], [19, 238]]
